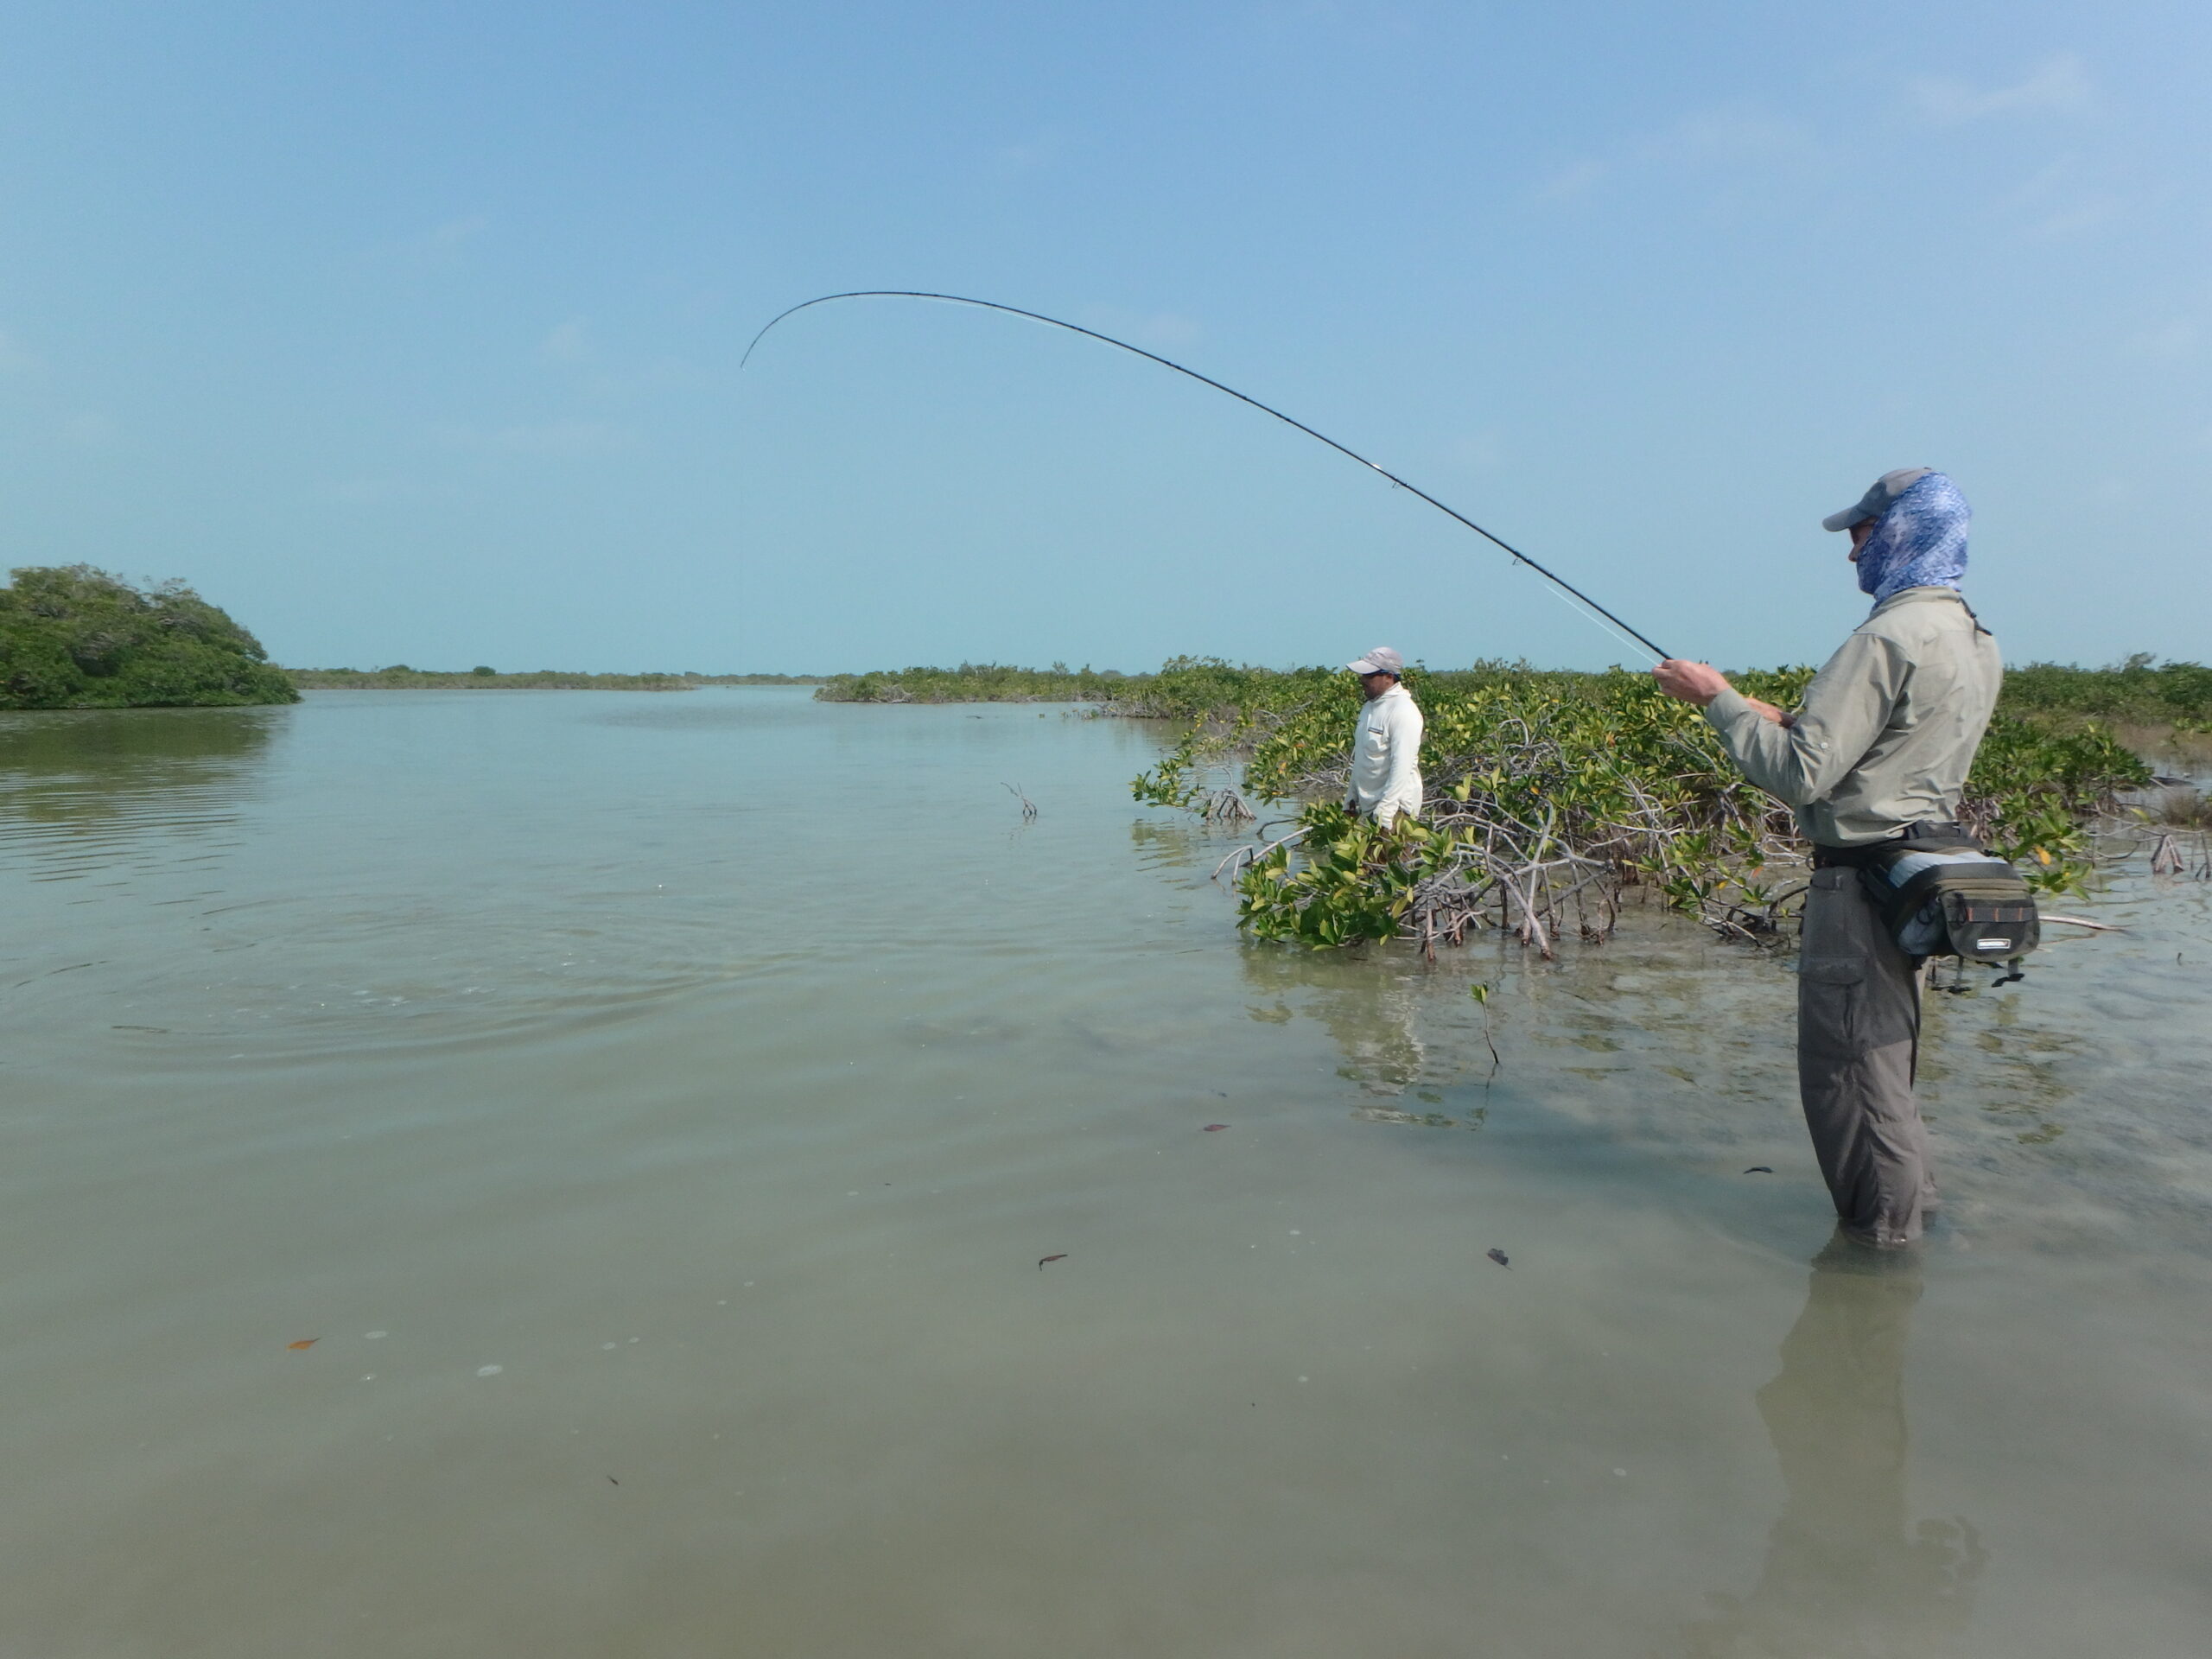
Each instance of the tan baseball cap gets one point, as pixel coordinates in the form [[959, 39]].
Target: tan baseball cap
[[1381, 660]]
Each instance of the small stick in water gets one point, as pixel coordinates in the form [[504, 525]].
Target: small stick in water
[[1062, 1257], [1760, 1169]]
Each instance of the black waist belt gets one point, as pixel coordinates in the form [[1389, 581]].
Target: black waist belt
[[1829, 858]]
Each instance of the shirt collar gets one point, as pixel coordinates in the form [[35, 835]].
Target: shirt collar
[[1914, 596]]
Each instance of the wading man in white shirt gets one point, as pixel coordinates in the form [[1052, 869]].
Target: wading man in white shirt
[[1386, 750]]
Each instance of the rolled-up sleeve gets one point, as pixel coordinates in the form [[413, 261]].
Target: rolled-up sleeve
[[1846, 708]]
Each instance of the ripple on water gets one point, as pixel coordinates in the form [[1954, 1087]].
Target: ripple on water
[[292, 1052]]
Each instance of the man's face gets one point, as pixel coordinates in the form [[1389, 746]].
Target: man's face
[[1375, 684], [1859, 533]]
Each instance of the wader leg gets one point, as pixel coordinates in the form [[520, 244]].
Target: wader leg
[[1857, 1036]]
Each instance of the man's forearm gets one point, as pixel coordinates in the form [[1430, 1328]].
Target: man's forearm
[[1701, 682]]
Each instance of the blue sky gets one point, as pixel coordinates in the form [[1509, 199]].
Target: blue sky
[[410, 331]]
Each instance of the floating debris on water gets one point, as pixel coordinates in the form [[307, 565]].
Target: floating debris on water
[[1760, 1169], [1498, 1257], [1062, 1257]]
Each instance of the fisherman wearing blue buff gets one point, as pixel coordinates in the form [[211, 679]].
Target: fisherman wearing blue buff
[[1879, 752]]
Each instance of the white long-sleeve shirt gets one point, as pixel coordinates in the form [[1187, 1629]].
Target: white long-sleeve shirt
[[1386, 758]]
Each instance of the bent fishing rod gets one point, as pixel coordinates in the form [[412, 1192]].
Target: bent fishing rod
[[1558, 581]]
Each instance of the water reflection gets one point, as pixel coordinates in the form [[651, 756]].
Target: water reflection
[[1373, 1012], [1843, 1574], [1183, 847], [1372, 1008], [74, 782]]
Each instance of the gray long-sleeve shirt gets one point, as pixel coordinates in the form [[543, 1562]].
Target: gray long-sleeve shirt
[[1888, 727]]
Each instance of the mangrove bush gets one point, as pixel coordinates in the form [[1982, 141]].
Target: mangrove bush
[[1550, 794], [73, 637], [2138, 691]]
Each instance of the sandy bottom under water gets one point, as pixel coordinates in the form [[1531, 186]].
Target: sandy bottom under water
[[663, 1174]]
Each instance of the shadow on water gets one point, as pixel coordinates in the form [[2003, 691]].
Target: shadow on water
[[1846, 1573], [73, 774]]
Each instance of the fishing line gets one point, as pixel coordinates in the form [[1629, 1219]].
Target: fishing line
[[1619, 629]]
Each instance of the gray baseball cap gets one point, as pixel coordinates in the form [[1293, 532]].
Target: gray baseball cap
[[1381, 660], [1876, 502]]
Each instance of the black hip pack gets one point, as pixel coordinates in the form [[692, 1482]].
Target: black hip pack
[[1941, 892]]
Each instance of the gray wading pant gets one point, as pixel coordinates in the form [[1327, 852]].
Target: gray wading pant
[[1858, 1036]]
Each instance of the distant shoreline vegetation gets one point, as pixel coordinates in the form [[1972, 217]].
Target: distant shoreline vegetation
[[74, 637], [400, 678], [2137, 693], [981, 682]]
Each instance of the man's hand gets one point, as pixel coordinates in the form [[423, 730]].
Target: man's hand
[[1697, 683], [1701, 682]]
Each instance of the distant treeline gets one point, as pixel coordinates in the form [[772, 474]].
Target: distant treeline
[[400, 678], [2138, 691], [979, 683], [73, 637]]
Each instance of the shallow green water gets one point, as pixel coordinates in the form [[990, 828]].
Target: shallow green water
[[663, 1165]]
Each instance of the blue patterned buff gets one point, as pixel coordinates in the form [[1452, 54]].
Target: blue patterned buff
[[1921, 542]]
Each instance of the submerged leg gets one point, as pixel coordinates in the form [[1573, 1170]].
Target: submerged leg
[[1858, 1030]]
